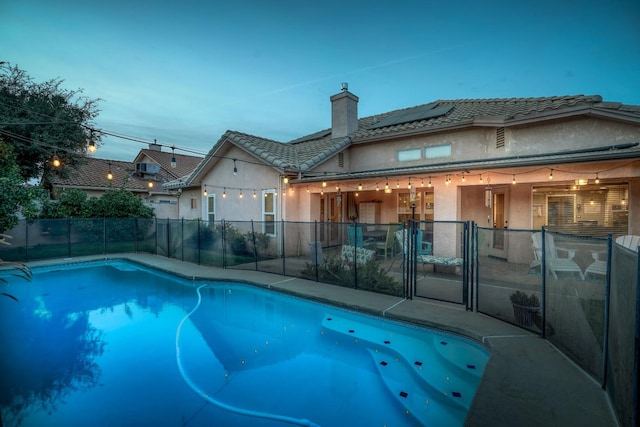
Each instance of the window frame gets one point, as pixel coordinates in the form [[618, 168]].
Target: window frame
[[269, 216]]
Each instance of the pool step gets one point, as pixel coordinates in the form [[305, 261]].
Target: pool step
[[422, 360], [421, 401]]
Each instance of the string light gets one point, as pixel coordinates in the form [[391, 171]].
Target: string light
[[463, 178], [307, 188], [597, 179], [386, 184], [397, 183], [409, 185], [551, 174], [360, 186], [324, 184], [173, 157], [480, 178], [377, 188], [150, 184], [447, 180], [205, 190], [429, 182], [92, 144], [109, 174], [56, 161], [421, 182], [254, 194], [224, 193], [285, 180], [514, 180], [241, 195]]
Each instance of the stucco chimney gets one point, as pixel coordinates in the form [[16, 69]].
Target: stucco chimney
[[344, 113], [155, 146]]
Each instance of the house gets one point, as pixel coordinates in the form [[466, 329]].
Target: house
[[143, 176], [569, 162]]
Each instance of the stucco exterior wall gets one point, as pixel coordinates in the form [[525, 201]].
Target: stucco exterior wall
[[251, 176]]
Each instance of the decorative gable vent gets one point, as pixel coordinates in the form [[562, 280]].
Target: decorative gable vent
[[341, 159], [500, 138]]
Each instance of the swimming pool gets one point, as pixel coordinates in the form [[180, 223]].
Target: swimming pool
[[113, 343]]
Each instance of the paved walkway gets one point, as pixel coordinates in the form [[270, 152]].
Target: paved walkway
[[527, 382]]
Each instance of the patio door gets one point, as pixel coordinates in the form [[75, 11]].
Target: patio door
[[499, 207], [330, 217]]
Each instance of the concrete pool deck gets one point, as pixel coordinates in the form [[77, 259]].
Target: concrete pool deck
[[527, 381]]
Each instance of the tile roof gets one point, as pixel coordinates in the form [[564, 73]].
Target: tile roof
[[305, 153], [92, 173]]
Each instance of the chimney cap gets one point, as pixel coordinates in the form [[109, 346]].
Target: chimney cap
[[344, 86]]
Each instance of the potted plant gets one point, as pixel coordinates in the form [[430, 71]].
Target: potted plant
[[525, 307]]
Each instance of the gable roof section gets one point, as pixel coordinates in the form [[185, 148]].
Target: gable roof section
[[184, 164], [305, 153]]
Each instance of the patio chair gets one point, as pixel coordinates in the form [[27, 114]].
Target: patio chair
[[554, 261], [629, 241], [388, 244], [354, 234], [424, 254]]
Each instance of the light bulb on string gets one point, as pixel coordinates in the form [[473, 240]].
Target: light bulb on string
[[205, 190], [56, 161], [597, 179], [254, 194], [429, 182], [224, 193], [551, 174], [109, 174], [514, 180]]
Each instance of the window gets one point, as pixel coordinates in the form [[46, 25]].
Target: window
[[269, 212], [194, 203], [211, 208], [437, 151], [408, 155], [589, 209], [405, 210]]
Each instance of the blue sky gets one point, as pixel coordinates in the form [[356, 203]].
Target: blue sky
[[183, 72]]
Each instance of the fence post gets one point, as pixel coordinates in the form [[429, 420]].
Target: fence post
[[543, 272], [255, 250], [155, 233], [104, 235], [224, 245], [26, 239], [315, 242], [283, 248], [635, 381], [69, 237], [198, 241], [607, 295]]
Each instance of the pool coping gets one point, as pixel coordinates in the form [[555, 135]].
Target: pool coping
[[527, 381]]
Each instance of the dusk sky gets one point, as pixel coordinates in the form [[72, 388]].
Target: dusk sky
[[183, 72]]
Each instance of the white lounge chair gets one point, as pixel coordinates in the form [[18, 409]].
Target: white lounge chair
[[629, 241], [554, 261]]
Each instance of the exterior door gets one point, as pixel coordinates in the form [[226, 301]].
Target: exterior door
[[499, 208]]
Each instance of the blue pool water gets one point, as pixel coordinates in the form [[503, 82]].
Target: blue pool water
[[111, 343]]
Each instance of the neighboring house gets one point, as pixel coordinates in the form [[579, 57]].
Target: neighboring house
[[144, 177], [572, 162]]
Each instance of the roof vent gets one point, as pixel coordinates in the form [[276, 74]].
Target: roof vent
[[500, 137]]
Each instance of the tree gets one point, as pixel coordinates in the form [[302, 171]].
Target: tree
[[15, 196], [121, 203], [42, 120]]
